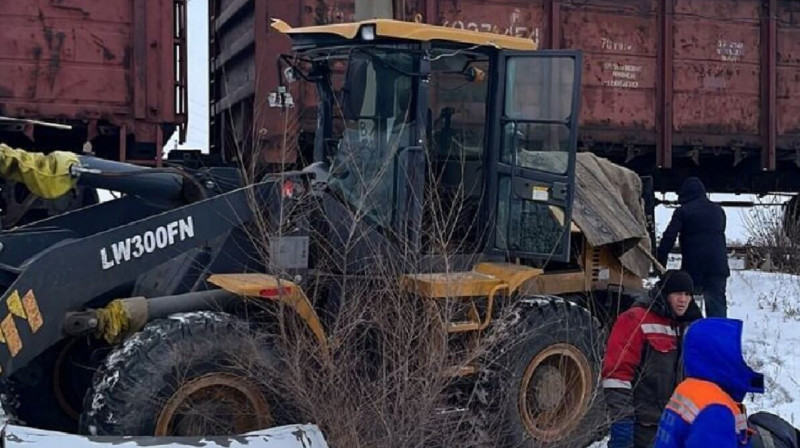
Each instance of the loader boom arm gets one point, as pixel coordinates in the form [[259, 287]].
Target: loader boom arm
[[53, 175], [76, 270]]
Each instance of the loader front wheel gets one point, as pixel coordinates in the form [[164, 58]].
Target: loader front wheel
[[540, 380], [195, 374]]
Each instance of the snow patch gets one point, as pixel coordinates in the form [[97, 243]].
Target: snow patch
[[123, 352], [109, 381], [769, 306], [289, 436], [196, 315], [536, 301]]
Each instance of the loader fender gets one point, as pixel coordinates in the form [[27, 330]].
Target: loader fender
[[273, 288]]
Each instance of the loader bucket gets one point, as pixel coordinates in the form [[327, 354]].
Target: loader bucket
[[289, 436]]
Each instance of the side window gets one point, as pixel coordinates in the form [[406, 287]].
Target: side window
[[538, 107], [536, 146], [540, 89]]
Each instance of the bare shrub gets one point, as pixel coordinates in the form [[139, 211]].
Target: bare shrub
[[385, 378], [773, 240]]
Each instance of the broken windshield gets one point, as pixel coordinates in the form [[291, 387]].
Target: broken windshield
[[377, 109]]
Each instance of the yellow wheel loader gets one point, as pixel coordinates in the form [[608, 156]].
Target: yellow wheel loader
[[445, 164]]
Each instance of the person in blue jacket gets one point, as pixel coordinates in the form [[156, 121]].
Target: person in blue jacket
[[705, 410]]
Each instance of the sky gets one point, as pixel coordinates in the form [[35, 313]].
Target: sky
[[197, 68], [197, 128]]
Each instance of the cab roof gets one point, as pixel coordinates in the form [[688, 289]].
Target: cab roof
[[421, 32]]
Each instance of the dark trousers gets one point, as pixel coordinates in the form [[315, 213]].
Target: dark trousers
[[644, 436], [713, 289]]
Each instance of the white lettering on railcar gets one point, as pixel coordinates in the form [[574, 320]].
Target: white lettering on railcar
[[730, 51], [486, 27], [148, 242], [615, 45], [514, 28], [622, 75]]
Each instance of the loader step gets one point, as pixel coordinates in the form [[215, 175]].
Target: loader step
[[452, 284]]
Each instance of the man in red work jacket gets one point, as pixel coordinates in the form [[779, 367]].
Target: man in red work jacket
[[642, 364]]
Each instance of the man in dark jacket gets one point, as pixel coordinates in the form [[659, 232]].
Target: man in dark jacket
[[701, 225], [642, 363]]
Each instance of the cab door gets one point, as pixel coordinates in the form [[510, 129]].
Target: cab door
[[534, 150]]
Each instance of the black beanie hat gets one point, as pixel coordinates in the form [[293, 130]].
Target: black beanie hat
[[675, 280]]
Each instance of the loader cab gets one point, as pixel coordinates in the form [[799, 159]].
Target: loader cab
[[447, 140]]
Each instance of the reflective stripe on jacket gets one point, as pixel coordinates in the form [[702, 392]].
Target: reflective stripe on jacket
[[704, 413]]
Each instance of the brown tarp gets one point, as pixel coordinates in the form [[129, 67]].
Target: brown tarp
[[609, 210]]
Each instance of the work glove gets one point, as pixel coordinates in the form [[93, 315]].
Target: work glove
[[621, 434]]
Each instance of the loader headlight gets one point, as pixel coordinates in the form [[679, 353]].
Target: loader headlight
[[292, 188], [288, 189], [368, 32]]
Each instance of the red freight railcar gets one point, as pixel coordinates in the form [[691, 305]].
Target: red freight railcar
[[113, 70], [671, 87]]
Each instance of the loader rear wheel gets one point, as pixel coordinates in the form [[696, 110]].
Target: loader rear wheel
[[540, 381], [555, 391], [191, 375]]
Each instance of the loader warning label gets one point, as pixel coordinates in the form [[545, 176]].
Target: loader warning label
[[11, 335], [148, 242], [25, 308], [34, 317]]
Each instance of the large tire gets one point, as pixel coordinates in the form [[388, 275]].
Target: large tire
[[211, 364], [551, 350]]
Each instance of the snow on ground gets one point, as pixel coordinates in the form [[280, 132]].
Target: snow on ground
[[769, 306], [289, 436]]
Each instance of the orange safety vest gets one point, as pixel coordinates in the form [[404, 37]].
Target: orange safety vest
[[693, 395]]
